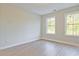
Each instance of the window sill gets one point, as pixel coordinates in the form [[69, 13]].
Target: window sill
[[72, 35]]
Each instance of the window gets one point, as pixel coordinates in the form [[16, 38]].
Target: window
[[51, 25], [72, 24]]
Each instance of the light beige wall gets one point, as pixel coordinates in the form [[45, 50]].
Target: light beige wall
[[17, 26], [60, 26]]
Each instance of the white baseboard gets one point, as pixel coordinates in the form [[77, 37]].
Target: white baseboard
[[64, 42], [13, 45]]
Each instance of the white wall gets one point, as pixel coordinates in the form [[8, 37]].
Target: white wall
[[17, 26], [60, 26]]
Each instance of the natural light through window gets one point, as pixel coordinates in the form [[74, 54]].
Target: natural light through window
[[51, 25], [72, 24]]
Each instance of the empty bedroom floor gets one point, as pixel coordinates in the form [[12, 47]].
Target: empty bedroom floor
[[41, 48]]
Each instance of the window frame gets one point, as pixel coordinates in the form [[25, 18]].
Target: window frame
[[65, 22], [51, 25]]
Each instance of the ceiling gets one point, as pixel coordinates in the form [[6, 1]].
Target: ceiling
[[44, 8]]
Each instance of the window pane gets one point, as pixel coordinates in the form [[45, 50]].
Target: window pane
[[70, 19], [76, 19], [69, 30], [76, 29], [51, 29], [51, 21]]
